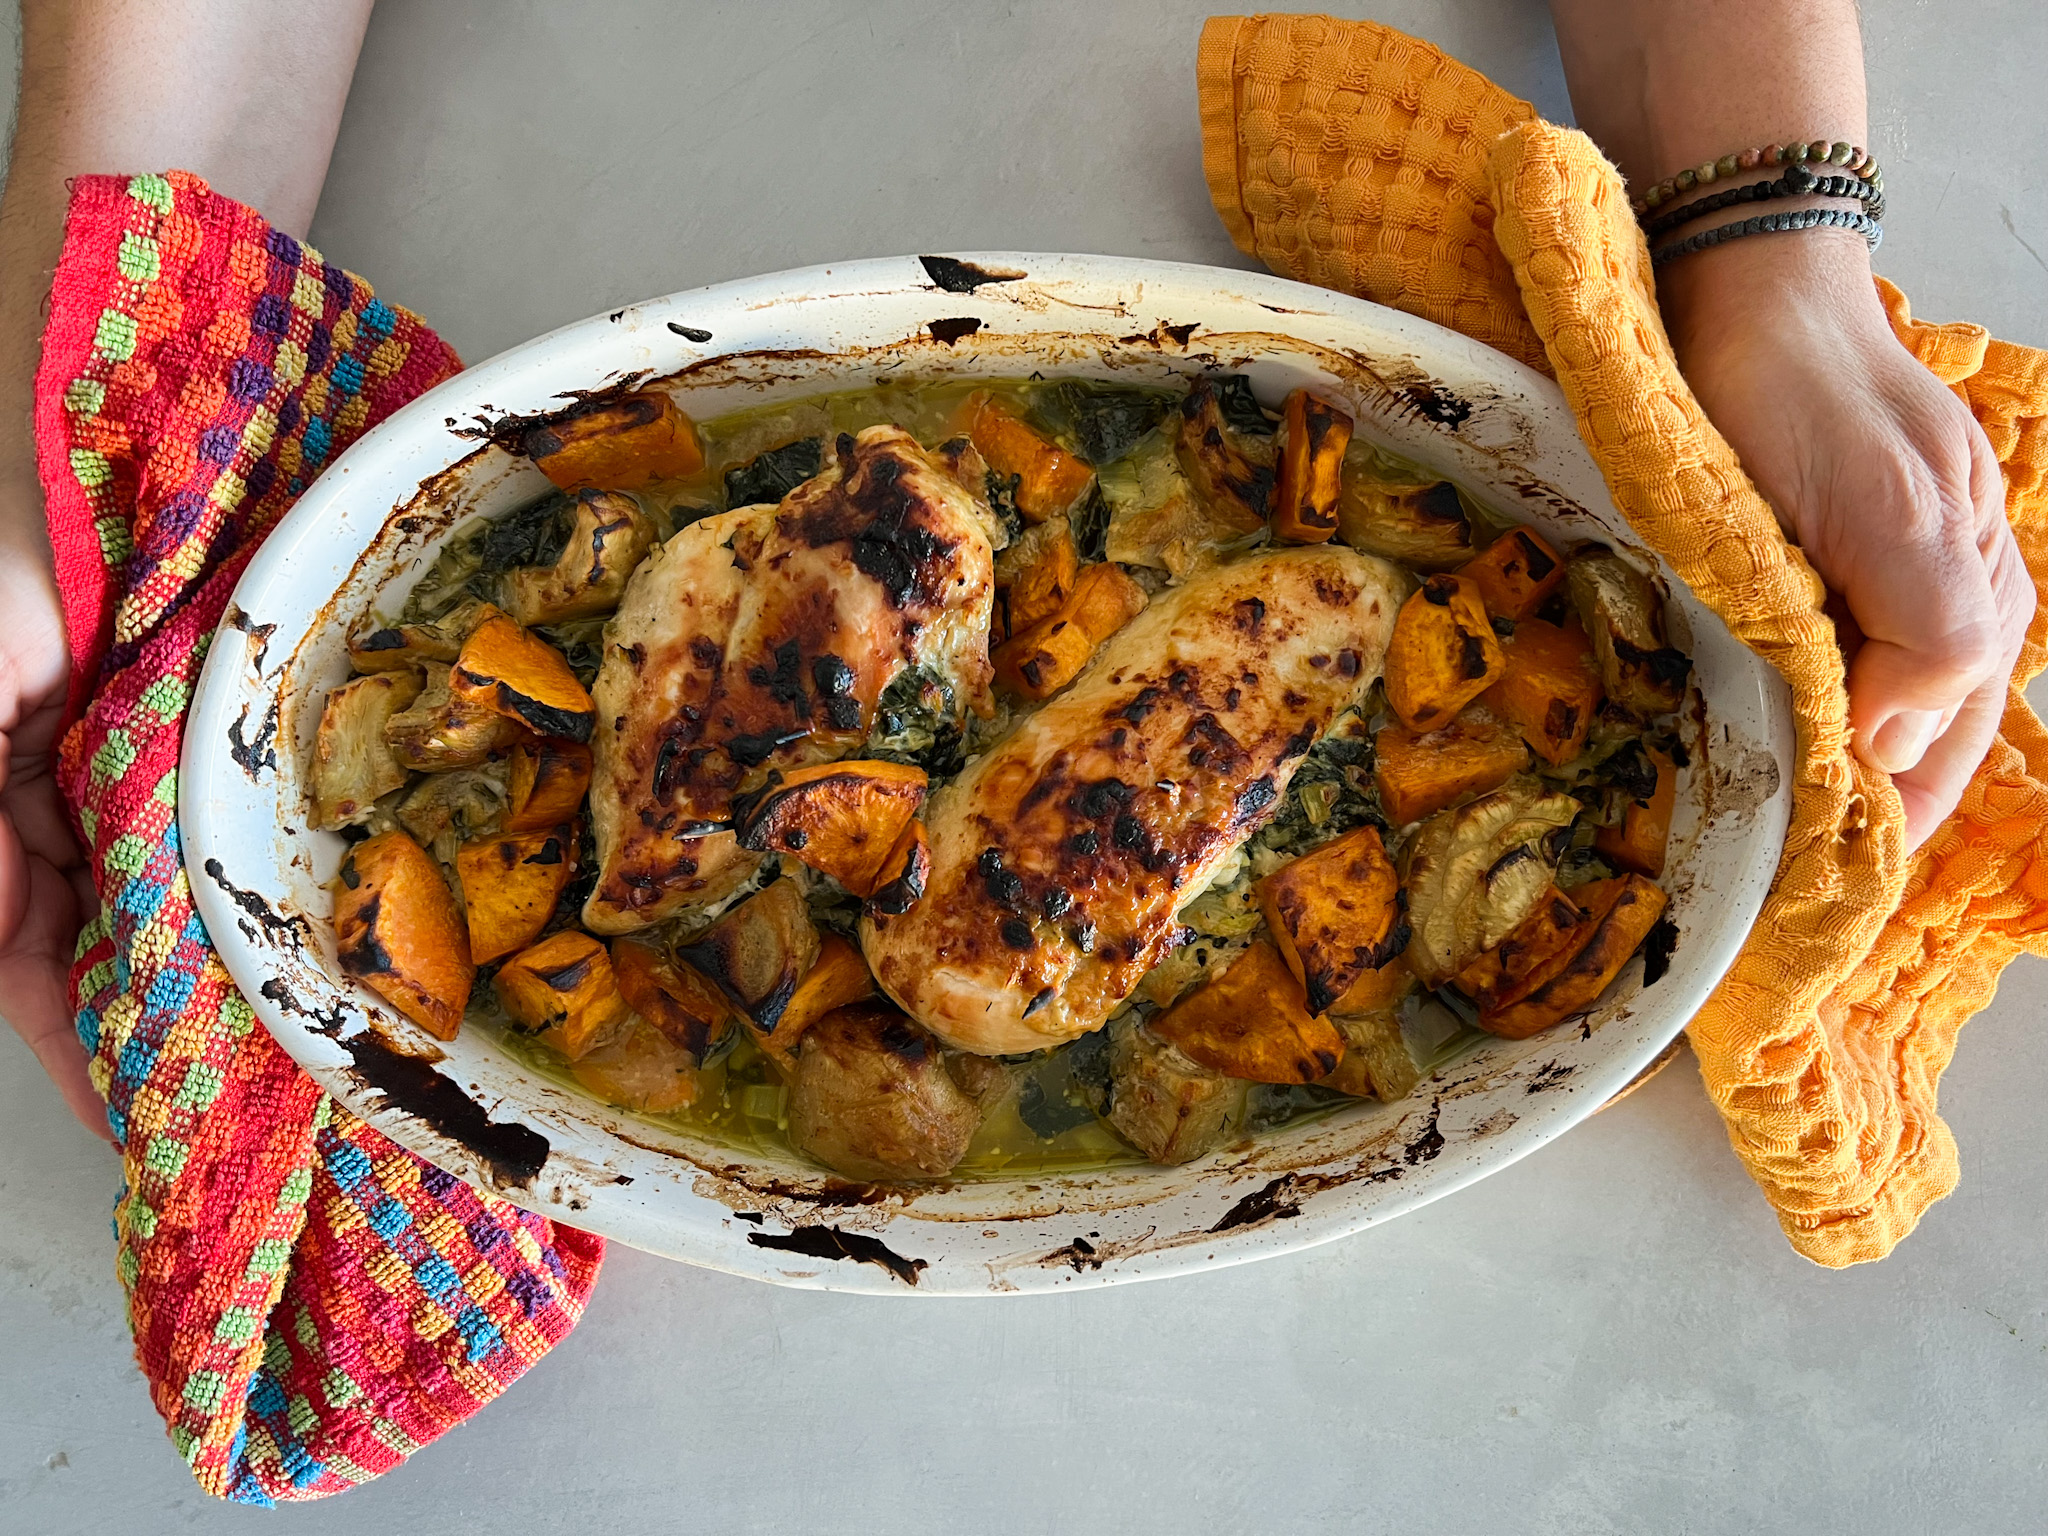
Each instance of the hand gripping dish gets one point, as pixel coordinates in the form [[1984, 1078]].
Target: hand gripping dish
[[381, 515]]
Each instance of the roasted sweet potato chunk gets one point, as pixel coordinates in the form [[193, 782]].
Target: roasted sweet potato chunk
[[1253, 1022], [1639, 843], [549, 778], [871, 1097], [1377, 989], [637, 1067], [1045, 658], [1515, 574], [1534, 950], [1443, 653], [374, 646], [1235, 486], [1624, 618], [1472, 873], [1335, 913], [439, 730], [904, 875], [1315, 435], [1421, 772], [611, 536], [1045, 479], [843, 819], [523, 678], [1419, 523], [397, 930], [1377, 1063], [1621, 914], [353, 765], [759, 951], [1042, 579], [839, 978], [563, 990], [510, 885], [677, 999], [1170, 1108], [619, 444], [1550, 691]]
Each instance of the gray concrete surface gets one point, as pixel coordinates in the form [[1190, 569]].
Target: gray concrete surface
[[1609, 1337]]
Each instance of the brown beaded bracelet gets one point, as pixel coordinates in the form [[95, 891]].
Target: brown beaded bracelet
[[1853, 157]]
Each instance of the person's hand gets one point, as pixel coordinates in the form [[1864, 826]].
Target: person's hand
[[1883, 479], [44, 888]]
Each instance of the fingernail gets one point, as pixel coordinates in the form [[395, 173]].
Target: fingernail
[[1903, 740]]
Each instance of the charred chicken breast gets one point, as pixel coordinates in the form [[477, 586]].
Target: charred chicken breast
[[1060, 859]]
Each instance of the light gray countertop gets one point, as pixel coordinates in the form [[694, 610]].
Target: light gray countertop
[[1611, 1336]]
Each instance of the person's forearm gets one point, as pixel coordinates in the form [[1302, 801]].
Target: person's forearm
[[246, 93]]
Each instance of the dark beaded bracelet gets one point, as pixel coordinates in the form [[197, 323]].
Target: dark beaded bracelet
[[1772, 224], [1860, 163], [1797, 181]]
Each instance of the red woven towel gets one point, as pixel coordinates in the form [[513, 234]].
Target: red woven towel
[[310, 1302]]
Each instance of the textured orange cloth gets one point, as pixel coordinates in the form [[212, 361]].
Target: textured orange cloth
[[1346, 154]]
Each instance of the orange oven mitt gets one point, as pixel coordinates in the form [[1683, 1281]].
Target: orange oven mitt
[[1346, 154]]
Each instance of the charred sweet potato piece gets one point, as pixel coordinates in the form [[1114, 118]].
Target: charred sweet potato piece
[[353, 765], [1377, 1063], [1639, 843], [1041, 586], [1170, 1108], [523, 678], [1423, 525], [1045, 658], [1443, 653], [1045, 479], [1550, 691], [610, 537], [619, 444], [1155, 518], [676, 999], [1335, 913], [1624, 618], [1376, 989], [510, 885], [1315, 435], [843, 819], [1621, 914], [1233, 485], [905, 874], [374, 646], [563, 990], [759, 951], [1472, 873], [549, 778], [1515, 574], [638, 1067], [439, 731], [397, 930], [839, 978], [1253, 1022], [1534, 950], [1421, 772]]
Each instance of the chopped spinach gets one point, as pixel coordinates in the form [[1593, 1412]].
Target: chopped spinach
[[917, 722], [1240, 407], [1002, 500], [770, 476], [1088, 1065], [1104, 421], [1050, 1101], [470, 564], [1331, 793], [1090, 523]]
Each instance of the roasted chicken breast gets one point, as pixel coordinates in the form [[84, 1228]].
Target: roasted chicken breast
[[1061, 857], [761, 638]]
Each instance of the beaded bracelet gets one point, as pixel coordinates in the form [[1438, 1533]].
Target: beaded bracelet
[[1797, 181], [1774, 223], [1853, 157]]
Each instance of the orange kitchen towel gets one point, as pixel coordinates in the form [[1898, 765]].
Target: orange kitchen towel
[[1346, 154]]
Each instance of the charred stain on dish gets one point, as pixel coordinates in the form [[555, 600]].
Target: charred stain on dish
[[1079, 1255], [509, 431], [513, 1152], [1426, 1146], [259, 634], [253, 904], [278, 992], [1658, 948], [955, 276], [1550, 1075], [950, 331], [835, 1243], [690, 332], [254, 755], [1432, 402]]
